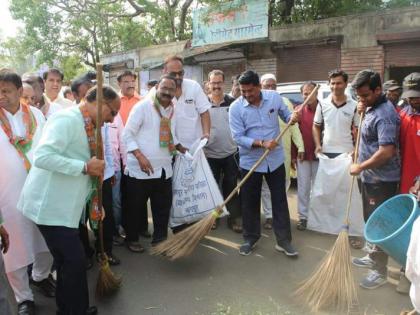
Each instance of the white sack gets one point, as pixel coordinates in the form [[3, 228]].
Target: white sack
[[329, 196], [194, 189]]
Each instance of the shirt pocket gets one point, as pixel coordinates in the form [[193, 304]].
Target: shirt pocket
[[271, 118], [190, 110]]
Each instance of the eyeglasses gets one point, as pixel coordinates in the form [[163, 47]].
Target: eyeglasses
[[175, 74]]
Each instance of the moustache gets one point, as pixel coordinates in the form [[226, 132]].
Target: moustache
[[166, 95], [217, 89]]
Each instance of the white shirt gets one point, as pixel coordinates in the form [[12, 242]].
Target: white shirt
[[62, 101], [338, 121], [54, 107], [188, 107], [142, 132], [412, 268], [109, 160], [119, 151]]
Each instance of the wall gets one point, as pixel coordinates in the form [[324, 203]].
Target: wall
[[358, 30]]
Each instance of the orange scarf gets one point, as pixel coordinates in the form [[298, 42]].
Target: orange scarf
[[22, 144]]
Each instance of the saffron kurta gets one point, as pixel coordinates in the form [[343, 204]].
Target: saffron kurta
[[26, 240]]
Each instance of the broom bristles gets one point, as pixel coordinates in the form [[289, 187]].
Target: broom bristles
[[108, 282], [332, 284], [183, 243]]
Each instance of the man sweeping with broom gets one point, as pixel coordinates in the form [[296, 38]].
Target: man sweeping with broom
[[57, 188], [253, 119], [378, 163]]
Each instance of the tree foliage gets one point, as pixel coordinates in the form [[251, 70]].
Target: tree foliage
[[90, 28], [295, 11], [70, 33]]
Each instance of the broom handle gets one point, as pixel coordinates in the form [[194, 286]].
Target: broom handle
[[266, 152], [99, 145], [356, 154]]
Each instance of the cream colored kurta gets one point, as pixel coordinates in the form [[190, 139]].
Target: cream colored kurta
[[25, 239]]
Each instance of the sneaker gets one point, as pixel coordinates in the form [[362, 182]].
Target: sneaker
[[373, 280], [246, 248], [287, 248], [364, 262], [301, 226]]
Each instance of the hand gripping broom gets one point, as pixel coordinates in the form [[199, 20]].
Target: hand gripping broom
[[332, 284], [107, 281], [183, 243]]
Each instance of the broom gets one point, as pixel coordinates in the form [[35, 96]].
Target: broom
[[332, 283], [107, 282], [183, 243]]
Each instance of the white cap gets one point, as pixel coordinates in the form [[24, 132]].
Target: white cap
[[267, 76]]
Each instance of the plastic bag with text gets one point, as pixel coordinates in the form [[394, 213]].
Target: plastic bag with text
[[195, 192]]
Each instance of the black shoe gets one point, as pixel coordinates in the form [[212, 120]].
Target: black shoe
[[246, 248], [301, 226], [112, 259], [155, 242], [26, 308], [145, 234], [46, 286], [287, 248], [92, 310]]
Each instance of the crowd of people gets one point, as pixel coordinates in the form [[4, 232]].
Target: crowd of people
[[49, 169]]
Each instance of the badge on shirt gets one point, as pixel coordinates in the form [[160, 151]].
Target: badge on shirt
[[190, 101], [418, 133]]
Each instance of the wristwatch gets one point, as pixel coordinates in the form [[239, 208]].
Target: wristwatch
[[84, 171]]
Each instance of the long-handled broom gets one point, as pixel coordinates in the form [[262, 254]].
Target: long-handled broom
[[183, 243], [332, 284], [107, 282]]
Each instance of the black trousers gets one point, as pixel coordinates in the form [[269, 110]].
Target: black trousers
[[251, 200], [227, 169], [72, 295], [373, 195], [108, 223], [84, 235], [139, 191]]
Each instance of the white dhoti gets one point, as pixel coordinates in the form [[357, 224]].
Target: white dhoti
[[26, 241]]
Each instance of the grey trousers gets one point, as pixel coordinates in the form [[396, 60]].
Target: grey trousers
[[7, 299]]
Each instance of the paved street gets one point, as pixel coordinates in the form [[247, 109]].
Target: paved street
[[216, 280]]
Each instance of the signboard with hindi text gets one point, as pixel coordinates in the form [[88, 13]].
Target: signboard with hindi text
[[236, 20]]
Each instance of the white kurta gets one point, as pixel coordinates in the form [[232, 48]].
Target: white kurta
[[25, 239]]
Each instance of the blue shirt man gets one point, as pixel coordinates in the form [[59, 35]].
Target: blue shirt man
[[378, 163], [249, 122], [254, 124]]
